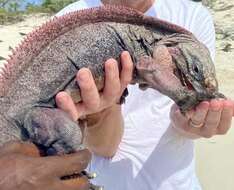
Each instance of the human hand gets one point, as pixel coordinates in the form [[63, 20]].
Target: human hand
[[206, 120], [22, 168], [92, 100]]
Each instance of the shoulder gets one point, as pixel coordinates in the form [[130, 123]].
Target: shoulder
[[191, 15], [182, 12], [200, 22], [79, 5]]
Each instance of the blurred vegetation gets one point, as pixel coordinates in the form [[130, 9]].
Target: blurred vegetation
[[209, 3], [11, 11], [49, 6]]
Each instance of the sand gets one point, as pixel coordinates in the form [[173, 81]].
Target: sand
[[215, 157], [11, 35]]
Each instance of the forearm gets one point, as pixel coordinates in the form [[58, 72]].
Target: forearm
[[104, 131]]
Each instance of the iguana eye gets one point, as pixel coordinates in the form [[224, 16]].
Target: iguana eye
[[195, 69], [197, 72]]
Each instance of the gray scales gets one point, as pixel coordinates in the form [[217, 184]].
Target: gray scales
[[47, 61]]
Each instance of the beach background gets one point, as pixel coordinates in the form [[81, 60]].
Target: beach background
[[215, 156]]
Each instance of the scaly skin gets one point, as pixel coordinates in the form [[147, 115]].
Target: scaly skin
[[48, 60]]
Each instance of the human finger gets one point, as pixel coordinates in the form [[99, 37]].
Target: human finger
[[59, 166], [226, 117], [65, 102], [17, 147], [199, 114], [213, 118], [111, 90], [58, 184], [81, 183], [89, 92], [127, 70], [181, 123]]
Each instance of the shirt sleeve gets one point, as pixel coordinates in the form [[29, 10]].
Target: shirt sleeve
[[204, 30]]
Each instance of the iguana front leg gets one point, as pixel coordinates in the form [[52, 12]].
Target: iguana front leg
[[159, 73], [53, 130]]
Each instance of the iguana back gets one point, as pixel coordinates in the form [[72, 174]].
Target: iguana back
[[48, 59]]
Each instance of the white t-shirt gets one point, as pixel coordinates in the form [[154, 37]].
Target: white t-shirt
[[151, 155]]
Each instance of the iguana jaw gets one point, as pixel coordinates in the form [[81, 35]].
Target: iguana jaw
[[183, 79], [198, 91], [165, 78], [164, 73]]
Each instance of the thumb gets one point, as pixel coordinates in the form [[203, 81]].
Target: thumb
[[65, 102], [17, 147], [173, 110]]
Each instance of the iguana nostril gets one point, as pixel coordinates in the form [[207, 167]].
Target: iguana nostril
[[211, 84]]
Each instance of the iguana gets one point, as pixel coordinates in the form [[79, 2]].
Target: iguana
[[47, 61]]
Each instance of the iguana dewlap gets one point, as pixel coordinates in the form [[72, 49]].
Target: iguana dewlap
[[48, 59]]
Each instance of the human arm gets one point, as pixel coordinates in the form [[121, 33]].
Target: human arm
[[104, 131], [22, 168]]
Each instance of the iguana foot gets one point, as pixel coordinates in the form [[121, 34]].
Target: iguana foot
[[53, 130]]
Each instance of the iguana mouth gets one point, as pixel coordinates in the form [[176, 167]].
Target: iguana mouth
[[178, 72], [184, 80]]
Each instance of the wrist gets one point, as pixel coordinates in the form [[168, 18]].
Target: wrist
[[104, 131], [183, 133], [95, 119]]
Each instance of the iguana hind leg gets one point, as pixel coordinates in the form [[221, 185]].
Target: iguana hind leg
[[53, 130], [9, 131]]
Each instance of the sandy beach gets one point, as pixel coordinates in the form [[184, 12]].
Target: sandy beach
[[12, 34], [215, 157]]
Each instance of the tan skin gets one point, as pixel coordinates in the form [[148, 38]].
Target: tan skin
[[22, 168], [216, 117]]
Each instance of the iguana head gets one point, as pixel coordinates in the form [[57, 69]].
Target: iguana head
[[181, 68]]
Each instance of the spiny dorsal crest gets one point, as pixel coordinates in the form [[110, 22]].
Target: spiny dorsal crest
[[38, 39]]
